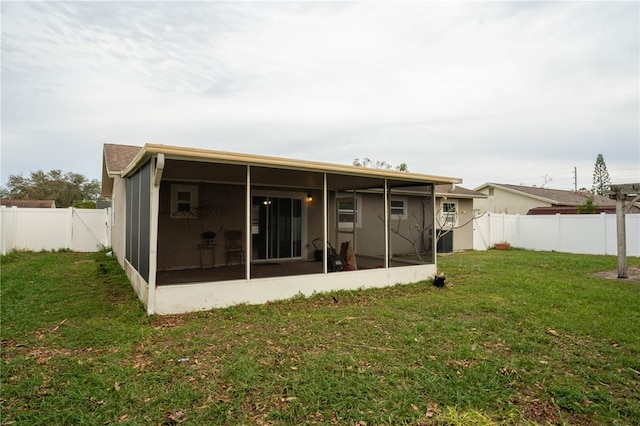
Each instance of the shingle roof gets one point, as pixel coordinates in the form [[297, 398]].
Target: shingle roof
[[557, 196], [118, 157], [32, 204], [115, 159]]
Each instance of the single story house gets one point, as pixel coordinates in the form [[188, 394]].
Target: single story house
[[519, 199], [196, 229], [28, 204]]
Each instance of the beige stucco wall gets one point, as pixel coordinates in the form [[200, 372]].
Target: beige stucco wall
[[370, 231], [463, 233], [409, 228], [222, 207], [118, 223], [507, 202]]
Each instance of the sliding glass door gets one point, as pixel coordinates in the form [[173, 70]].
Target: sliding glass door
[[276, 228]]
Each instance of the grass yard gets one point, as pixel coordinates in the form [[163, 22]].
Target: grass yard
[[516, 337]]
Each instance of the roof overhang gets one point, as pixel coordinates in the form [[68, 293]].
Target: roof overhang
[[458, 196], [106, 189], [358, 174]]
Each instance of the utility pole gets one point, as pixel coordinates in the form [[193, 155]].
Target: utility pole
[[575, 178]]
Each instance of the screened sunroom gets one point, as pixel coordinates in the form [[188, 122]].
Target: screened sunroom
[[205, 229]]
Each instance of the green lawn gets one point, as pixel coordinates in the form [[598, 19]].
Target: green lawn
[[516, 337]]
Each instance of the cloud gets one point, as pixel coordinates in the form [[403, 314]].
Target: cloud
[[520, 84]]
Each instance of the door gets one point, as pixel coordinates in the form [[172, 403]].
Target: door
[[276, 227]]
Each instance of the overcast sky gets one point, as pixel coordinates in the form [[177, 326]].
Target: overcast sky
[[506, 92]]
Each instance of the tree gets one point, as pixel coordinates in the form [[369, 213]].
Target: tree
[[366, 162], [66, 189], [84, 204], [601, 179], [588, 207], [418, 230], [403, 168]]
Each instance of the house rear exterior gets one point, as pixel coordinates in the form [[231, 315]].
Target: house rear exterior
[[456, 210], [169, 201]]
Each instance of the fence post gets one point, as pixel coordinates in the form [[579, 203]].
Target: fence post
[[108, 226], [488, 230], [3, 234], [69, 230], [489, 226], [558, 232], [14, 228], [603, 216]]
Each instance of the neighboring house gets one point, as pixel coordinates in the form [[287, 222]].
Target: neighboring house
[[455, 211], [31, 204], [167, 202], [518, 199]]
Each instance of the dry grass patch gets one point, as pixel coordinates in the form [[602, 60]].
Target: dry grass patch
[[515, 338]]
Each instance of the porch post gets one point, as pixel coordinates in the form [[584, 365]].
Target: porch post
[[386, 225], [247, 234], [325, 227], [153, 231], [355, 220], [434, 221]]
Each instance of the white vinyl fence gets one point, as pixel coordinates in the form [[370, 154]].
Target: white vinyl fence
[[579, 233], [82, 230], [87, 230]]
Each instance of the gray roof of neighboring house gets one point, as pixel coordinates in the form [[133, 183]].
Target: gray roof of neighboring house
[[553, 196], [32, 204]]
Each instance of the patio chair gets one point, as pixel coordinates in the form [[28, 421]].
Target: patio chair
[[233, 246]]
